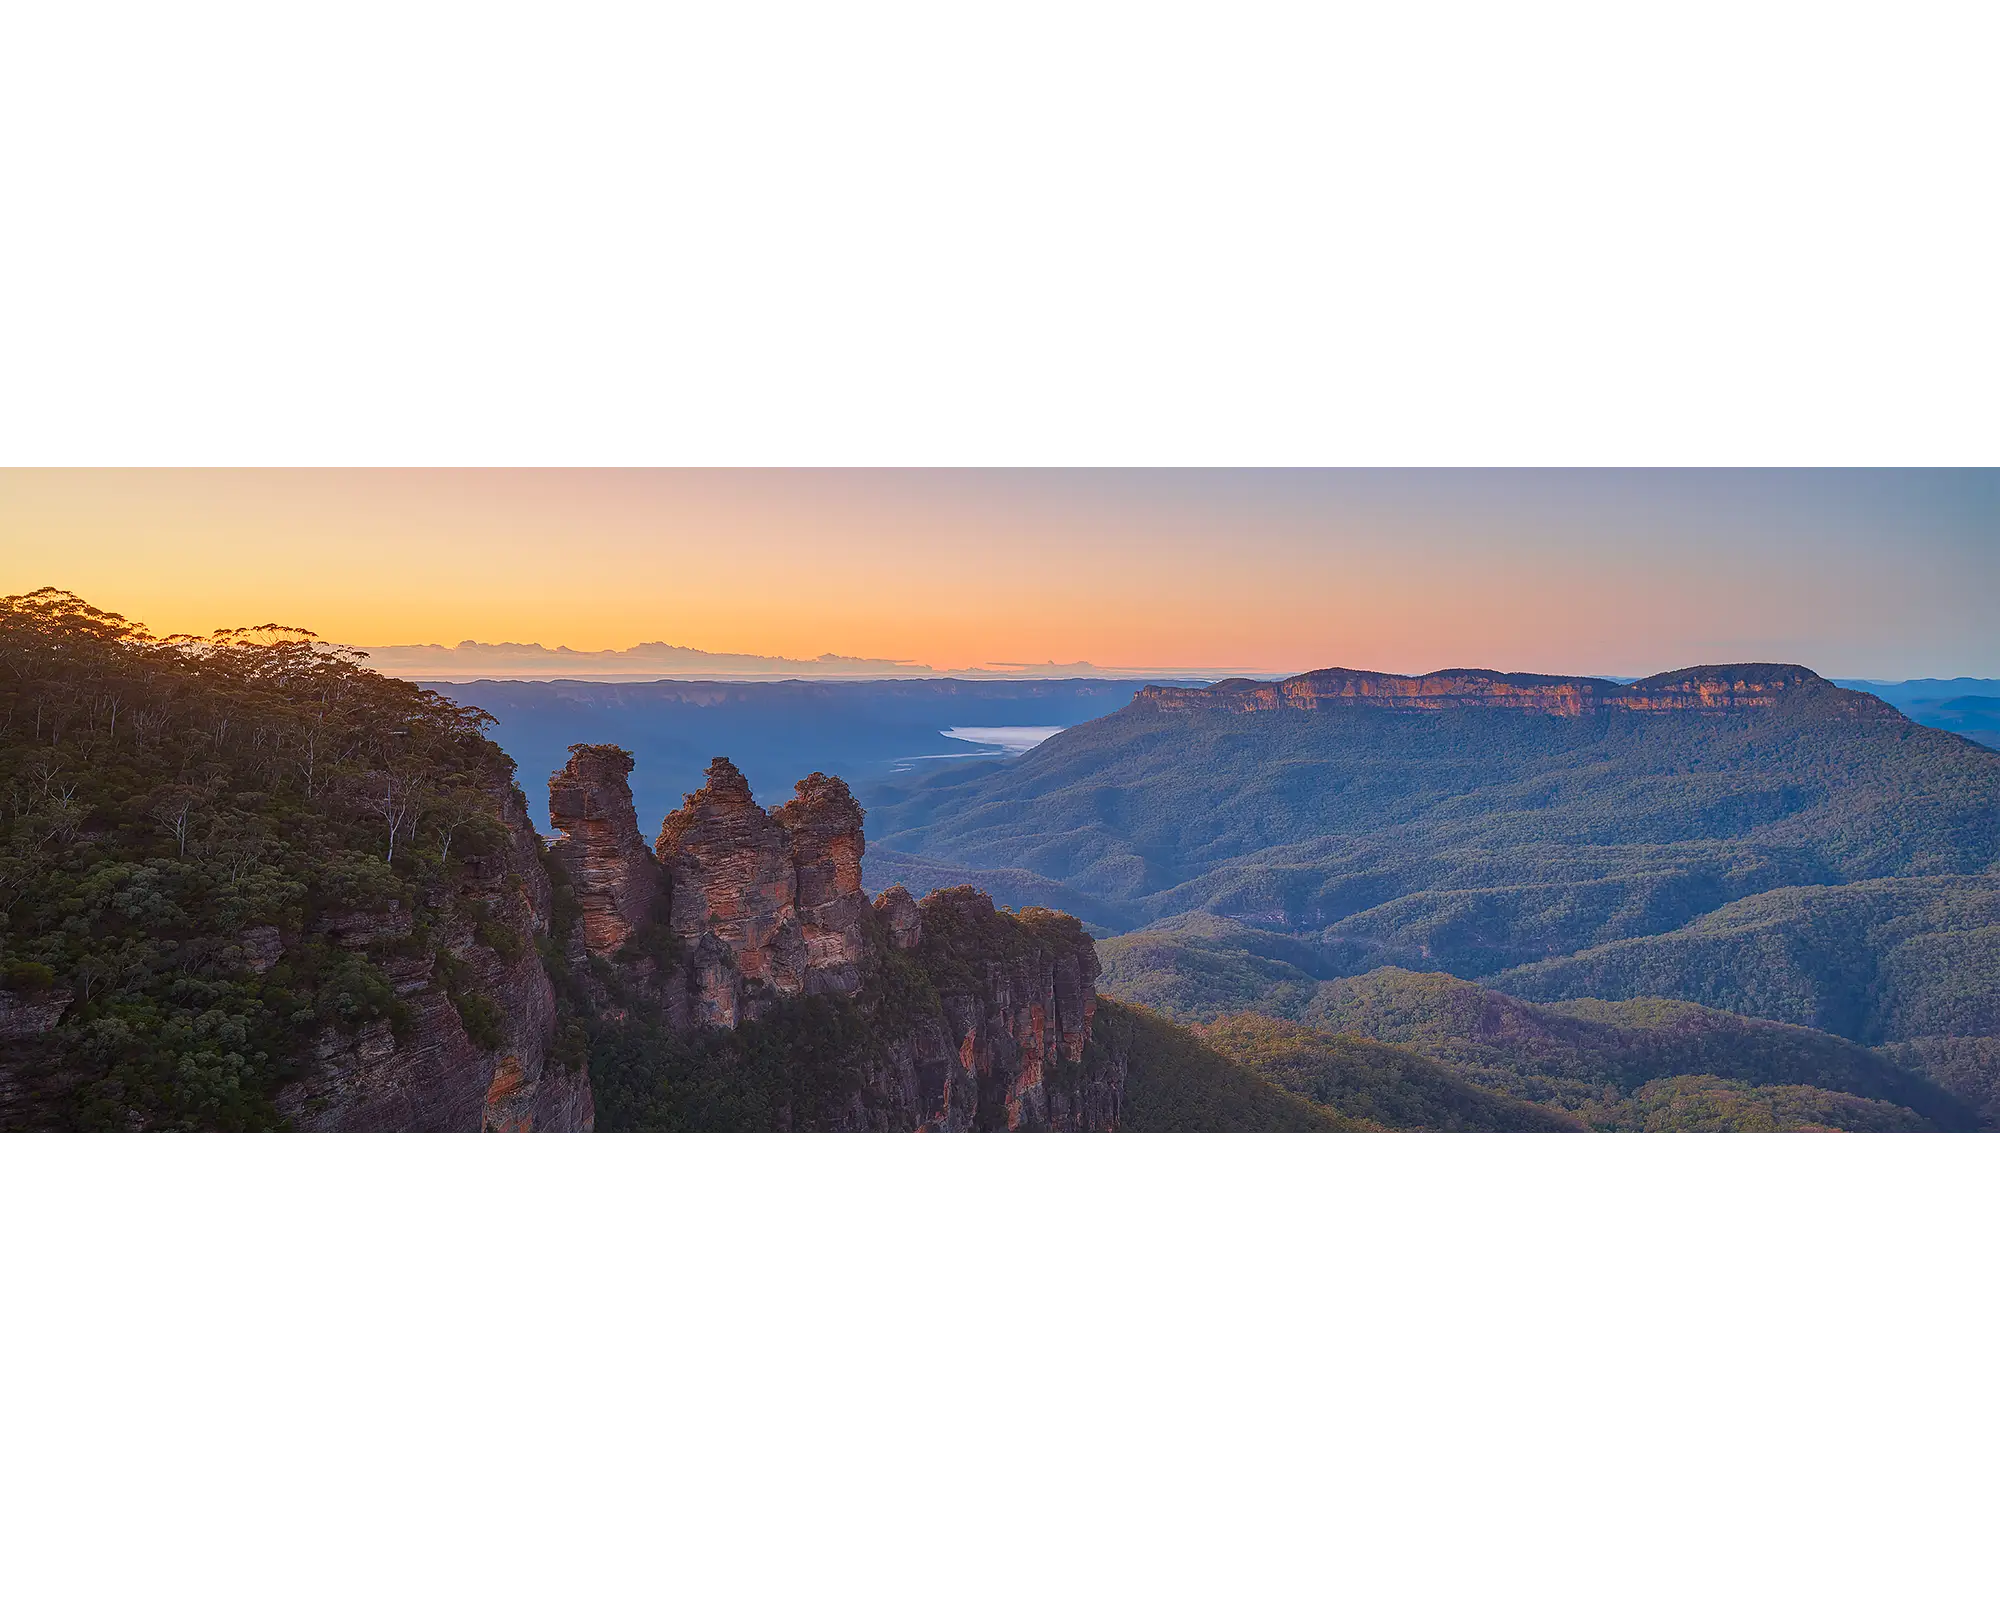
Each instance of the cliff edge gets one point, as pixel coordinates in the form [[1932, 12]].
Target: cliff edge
[[1743, 687]]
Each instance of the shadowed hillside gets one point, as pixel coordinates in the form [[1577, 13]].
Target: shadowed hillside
[[1177, 1083], [1383, 1084], [1589, 1057], [1893, 958]]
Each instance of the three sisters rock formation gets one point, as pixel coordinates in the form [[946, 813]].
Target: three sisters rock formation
[[968, 1017]]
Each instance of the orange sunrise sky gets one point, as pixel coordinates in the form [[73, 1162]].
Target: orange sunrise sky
[[1854, 573]]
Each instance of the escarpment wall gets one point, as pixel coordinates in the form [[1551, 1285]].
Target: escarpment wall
[[1729, 688], [432, 1075], [1008, 1045]]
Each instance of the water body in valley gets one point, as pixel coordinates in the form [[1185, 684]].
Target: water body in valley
[[983, 742]]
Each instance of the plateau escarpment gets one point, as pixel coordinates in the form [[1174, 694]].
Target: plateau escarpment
[[1730, 688]]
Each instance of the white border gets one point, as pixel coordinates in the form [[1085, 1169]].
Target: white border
[[1376, 1365], [1558, 234], [1564, 234]]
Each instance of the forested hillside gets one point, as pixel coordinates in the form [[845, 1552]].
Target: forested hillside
[[1484, 836], [1381, 1083], [1970, 706], [1590, 1058], [1177, 1083], [1802, 853], [1888, 959], [209, 849]]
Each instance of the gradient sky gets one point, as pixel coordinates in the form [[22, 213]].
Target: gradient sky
[[1858, 574]]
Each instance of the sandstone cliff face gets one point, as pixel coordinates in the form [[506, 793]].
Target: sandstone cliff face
[[613, 875], [734, 895], [24, 1016], [1002, 1039], [902, 922], [435, 1076], [771, 902], [1009, 1046], [1731, 688], [824, 826]]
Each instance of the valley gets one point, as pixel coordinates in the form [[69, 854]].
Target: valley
[[865, 731], [252, 884]]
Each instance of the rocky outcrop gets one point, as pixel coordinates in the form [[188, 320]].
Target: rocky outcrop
[[528, 1091], [471, 1049], [26, 1014], [260, 948], [1009, 1046], [964, 1016], [992, 1032], [432, 1079], [615, 878], [1730, 688], [902, 922], [824, 826], [734, 889], [770, 903]]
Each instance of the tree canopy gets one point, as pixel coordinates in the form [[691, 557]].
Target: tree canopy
[[183, 820]]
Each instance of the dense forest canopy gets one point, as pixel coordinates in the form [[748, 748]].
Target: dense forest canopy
[[181, 821], [1600, 1061]]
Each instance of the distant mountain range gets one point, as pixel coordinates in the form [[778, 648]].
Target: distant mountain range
[[1970, 706], [469, 659], [864, 731]]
